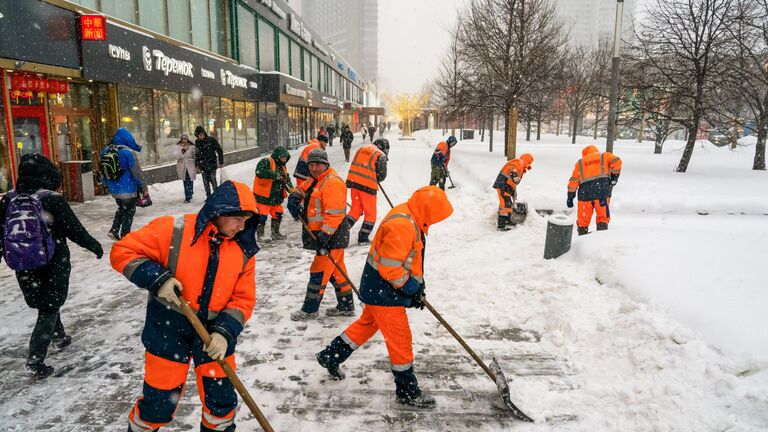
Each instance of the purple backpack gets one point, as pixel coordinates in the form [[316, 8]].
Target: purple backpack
[[28, 243]]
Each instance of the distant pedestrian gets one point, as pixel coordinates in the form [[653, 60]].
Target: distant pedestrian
[[364, 129], [45, 287], [331, 131], [346, 141], [389, 126], [185, 166], [371, 131], [208, 158], [121, 173]]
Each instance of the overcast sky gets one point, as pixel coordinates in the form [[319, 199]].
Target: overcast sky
[[413, 35]]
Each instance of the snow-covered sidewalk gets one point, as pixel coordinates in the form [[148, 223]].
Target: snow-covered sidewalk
[[586, 348]]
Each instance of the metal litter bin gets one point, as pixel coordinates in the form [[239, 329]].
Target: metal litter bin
[[468, 134], [559, 233], [77, 180]]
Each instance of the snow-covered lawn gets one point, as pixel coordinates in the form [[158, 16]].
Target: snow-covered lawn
[[657, 324]]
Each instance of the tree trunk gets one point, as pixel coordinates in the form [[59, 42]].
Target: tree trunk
[[507, 115], [559, 120], [512, 133], [490, 139], [762, 132], [575, 124], [482, 129], [659, 142], [528, 130], [688, 152], [538, 129]]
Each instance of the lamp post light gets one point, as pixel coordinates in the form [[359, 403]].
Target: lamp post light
[[614, 77]]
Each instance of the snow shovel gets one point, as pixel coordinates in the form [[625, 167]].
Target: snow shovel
[[452, 186], [385, 195], [231, 374]]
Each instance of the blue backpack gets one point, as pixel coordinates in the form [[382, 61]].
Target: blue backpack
[[28, 242]]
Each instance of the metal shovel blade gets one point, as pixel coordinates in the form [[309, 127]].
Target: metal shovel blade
[[503, 386]]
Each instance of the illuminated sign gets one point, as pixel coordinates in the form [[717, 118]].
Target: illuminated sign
[[93, 27]]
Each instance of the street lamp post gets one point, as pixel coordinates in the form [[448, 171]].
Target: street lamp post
[[612, 103]]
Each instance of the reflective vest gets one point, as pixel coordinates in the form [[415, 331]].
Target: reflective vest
[[401, 257], [263, 186], [593, 167], [444, 150], [302, 169], [363, 169], [513, 172], [327, 203]]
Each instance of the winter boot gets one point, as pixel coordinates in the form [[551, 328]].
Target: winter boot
[[260, 226], [333, 368], [423, 400], [336, 312], [502, 223], [365, 231], [203, 428], [276, 230], [40, 370], [113, 236], [300, 315], [63, 343], [602, 226], [336, 353], [582, 230]]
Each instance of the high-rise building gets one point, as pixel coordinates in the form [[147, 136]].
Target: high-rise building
[[351, 27], [589, 20]]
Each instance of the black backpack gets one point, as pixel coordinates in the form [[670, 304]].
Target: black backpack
[[109, 164]]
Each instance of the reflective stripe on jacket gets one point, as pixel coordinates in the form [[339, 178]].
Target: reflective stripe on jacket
[[510, 175], [592, 175], [302, 169], [363, 173]]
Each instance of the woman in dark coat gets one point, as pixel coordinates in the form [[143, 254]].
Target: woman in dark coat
[[46, 288]]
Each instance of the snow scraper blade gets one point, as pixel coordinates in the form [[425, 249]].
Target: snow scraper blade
[[503, 386]]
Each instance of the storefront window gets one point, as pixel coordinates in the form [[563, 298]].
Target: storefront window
[[191, 114], [152, 15], [316, 66], [78, 96], [123, 9], [307, 76], [266, 46], [295, 60], [6, 169], [245, 124], [246, 27], [227, 130], [201, 35], [136, 115], [283, 53], [251, 124], [168, 124], [212, 111], [179, 24], [267, 124]]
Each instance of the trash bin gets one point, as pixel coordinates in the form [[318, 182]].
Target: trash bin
[[468, 134], [559, 233], [77, 180]]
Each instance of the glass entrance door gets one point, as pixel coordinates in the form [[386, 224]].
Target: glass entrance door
[[30, 131], [74, 136]]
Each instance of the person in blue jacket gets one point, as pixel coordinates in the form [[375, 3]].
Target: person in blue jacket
[[125, 188]]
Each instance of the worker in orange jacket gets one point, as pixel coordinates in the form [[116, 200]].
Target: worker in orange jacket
[[393, 279], [209, 258], [322, 203], [269, 187], [440, 159], [301, 173], [509, 177], [369, 168], [594, 176]]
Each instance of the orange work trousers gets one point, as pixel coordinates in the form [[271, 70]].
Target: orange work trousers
[[505, 203], [392, 321], [363, 203], [275, 211], [587, 207]]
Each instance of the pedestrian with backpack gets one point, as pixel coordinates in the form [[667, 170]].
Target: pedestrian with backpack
[[121, 174], [208, 157], [35, 225]]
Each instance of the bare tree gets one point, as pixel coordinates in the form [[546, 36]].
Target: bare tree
[[505, 43], [449, 86], [685, 46], [586, 81]]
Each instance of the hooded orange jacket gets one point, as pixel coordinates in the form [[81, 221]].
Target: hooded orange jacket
[[593, 174]]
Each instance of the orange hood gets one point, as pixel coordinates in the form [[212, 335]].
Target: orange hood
[[588, 150], [429, 205]]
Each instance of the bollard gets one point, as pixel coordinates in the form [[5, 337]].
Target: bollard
[[559, 233]]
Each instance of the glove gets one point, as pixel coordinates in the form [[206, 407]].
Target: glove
[[168, 289], [98, 251], [614, 179], [294, 206], [569, 202], [322, 243], [604, 202], [217, 347], [417, 301]]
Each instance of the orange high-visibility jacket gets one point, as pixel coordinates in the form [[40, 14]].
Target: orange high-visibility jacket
[[327, 203], [363, 171], [302, 169], [592, 174], [146, 256], [396, 253], [443, 152], [512, 172], [262, 187]]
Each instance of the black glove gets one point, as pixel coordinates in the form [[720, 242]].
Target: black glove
[[571, 196], [321, 247], [294, 206], [417, 301]]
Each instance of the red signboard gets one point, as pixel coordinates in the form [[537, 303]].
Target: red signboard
[[34, 83], [93, 27]]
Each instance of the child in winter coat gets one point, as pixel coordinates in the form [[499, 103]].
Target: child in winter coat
[[45, 288]]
